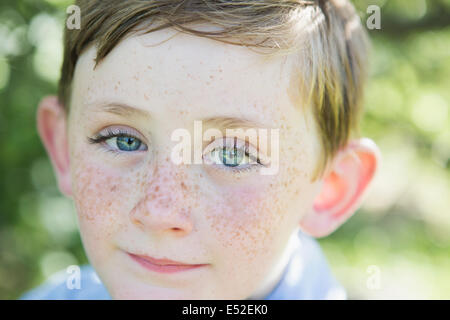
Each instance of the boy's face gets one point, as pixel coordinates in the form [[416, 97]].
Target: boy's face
[[132, 199]]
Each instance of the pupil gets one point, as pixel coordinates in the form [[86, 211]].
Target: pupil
[[128, 143], [230, 156]]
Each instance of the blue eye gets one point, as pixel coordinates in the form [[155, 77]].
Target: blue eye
[[231, 155], [124, 143], [119, 140]]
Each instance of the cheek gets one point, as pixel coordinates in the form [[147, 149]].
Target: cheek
[[103, 196], [250, 226], [245, 219], [253, 223]]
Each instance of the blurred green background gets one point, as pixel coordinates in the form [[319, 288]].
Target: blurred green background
[[402, 233]]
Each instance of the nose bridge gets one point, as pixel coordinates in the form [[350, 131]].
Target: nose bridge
[[166, 206], [168, 184]]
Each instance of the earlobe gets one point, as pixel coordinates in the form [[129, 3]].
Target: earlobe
[[52, 128], [343, 188]]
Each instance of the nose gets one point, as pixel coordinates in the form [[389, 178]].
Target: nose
[[166, 206]]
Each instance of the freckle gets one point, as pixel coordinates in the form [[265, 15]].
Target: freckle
[[211, 77], [149, 67], [113, 188]]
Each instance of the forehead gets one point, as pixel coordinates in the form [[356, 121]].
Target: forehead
[[168, 71]]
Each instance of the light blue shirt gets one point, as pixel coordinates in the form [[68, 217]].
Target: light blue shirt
[[306, 276]]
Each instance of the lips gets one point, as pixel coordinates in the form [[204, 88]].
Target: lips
[[163, 265]]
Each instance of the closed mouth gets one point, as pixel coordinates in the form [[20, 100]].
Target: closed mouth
[[163, 265]]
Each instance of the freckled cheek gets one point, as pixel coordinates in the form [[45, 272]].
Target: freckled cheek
[[245, 225], [103, 196], [246, 219]]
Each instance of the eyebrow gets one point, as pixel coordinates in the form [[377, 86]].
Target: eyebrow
[[233, 123], [121, 109]]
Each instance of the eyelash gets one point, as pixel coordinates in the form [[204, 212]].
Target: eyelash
[[101, 138], [235, 170]]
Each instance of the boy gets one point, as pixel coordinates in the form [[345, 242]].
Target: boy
[[236, 222]]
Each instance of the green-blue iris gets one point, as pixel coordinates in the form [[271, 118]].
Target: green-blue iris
[[128, 143], [231, 157]]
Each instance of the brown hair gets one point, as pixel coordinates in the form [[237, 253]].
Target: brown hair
[[327, 35]]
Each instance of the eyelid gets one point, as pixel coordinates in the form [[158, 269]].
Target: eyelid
[[121, 129], [240, 144], [117, 131]]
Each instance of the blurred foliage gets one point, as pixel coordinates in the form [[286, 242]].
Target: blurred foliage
[[403, 229]]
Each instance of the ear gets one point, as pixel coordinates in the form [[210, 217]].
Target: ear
[[52, 128], [343, 187]]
